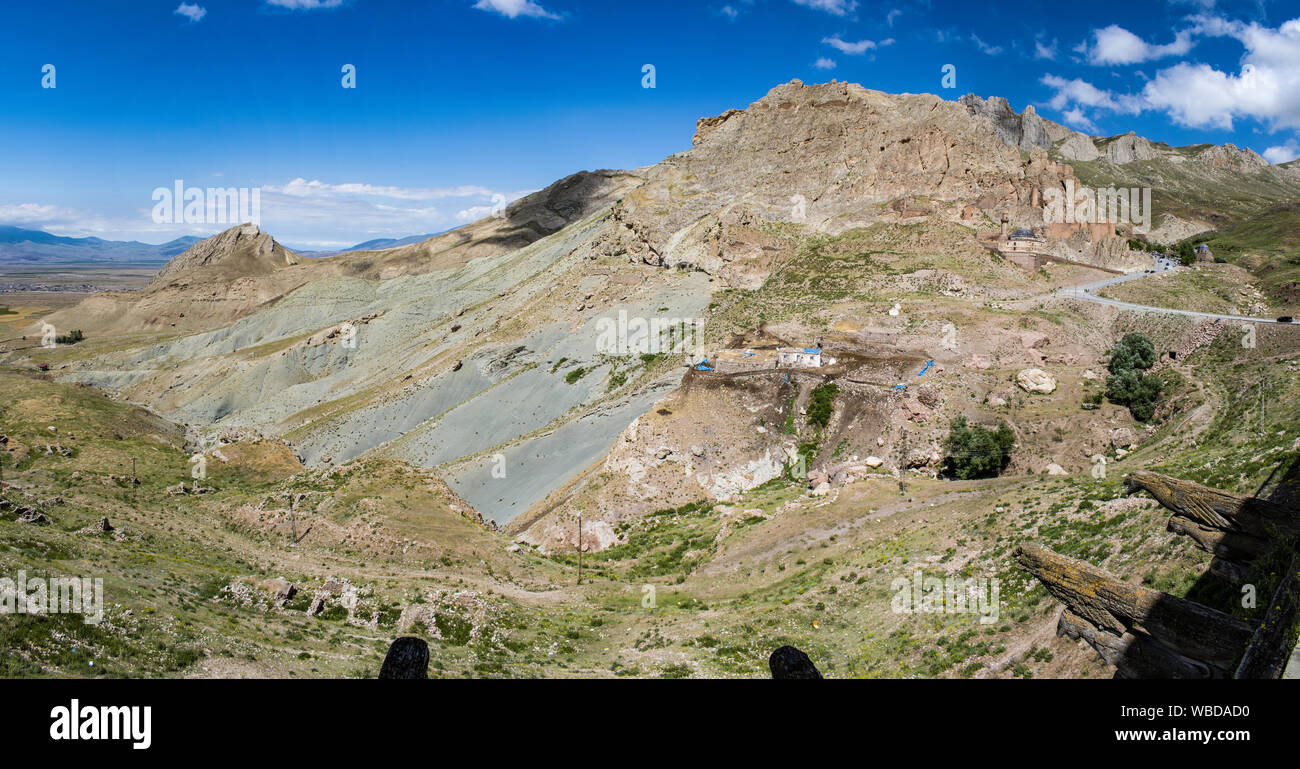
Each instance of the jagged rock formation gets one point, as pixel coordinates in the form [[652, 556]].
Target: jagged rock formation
[[1025, 130], [239, 252], [1128, 148], [1079, 147], [828, 157], [1231, 157], [1145, 633]]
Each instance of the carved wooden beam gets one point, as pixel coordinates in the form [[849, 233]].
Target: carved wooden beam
[[1183, 627], [1232, 526], [1134, 655]]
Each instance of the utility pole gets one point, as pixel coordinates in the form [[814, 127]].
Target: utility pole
[[579, 547], [1261, 407], [134, 477]]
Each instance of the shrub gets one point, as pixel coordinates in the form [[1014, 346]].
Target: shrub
[[821, 405], [1127, 385], [972, 451]]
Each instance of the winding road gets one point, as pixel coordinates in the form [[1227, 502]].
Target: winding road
[[1084, 292]]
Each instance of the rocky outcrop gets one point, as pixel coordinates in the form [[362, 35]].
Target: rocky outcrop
[[1231, 157], [1079, 147], [241, 251], [1129, 148], [1025, 130]]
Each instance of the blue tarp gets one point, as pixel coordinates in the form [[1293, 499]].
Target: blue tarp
[[928, 364]]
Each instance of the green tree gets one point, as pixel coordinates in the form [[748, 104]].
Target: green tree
[[973, 451], [1127, 385], [1133, 351]]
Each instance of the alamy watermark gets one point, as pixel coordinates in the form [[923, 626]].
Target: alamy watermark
[[53, 595], [634, 335], [920, 594], [1084, 205], [212, 205]]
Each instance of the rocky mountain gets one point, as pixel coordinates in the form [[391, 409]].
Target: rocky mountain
[[502, 360]]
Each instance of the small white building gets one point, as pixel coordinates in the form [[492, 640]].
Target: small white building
[[799, 357]]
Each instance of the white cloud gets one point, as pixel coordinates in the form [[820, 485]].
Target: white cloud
[[1283, 153], [301, 188], [853, 49], [1080, 92], [305, 5], [824, 63], [1045, 50], [836, 7], [1116, 45], [1076, 119], [991, 50], [35, 213], [512, 9], [894, 14], [191, 11]]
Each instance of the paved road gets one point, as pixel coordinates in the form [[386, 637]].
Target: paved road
[[1085, 292]]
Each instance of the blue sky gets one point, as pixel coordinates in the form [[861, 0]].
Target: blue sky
[[460, 100]]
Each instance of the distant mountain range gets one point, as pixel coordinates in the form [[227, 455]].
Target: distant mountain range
[[20, 246], [378, 244]]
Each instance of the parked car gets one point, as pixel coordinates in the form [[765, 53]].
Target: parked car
[[1284, 319]]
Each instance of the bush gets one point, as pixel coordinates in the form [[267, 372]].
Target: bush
[[821, 405], [972, 451], [1127, 385], [1134, 351], [1140, 392]]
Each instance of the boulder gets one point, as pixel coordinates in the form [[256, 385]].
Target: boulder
[[1035, 380]]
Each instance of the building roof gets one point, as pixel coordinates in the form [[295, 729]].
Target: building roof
[[1022, 233]]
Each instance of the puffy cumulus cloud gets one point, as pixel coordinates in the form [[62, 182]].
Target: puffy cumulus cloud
[[824, 63], [1116, 45], [1264, 88], [191, 11], [35, 213], [1081, 93], [836, 7], [1283, 153], [513, 9]]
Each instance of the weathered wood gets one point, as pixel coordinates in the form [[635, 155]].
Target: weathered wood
[[1184, 627], [1230, 545], [1218, 510], [1134, 655], [1269, 650]]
